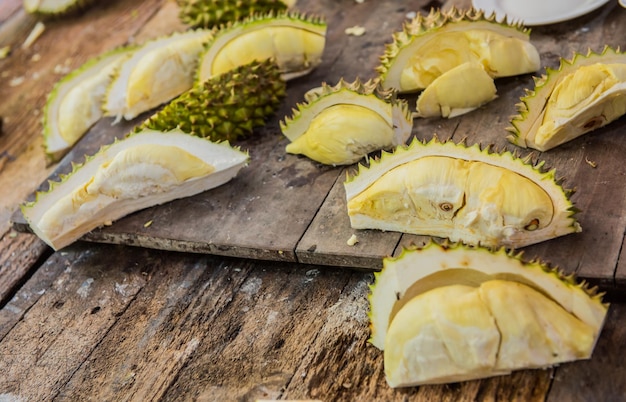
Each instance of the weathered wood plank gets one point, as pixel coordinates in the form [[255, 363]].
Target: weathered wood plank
[[19, 253]]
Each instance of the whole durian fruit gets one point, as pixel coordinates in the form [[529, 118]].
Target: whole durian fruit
[[210, 13], [227, 106]]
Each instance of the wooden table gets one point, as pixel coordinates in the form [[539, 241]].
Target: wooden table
[[114, 322]]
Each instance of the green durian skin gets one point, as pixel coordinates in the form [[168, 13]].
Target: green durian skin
[[225, 107], [213, 13]]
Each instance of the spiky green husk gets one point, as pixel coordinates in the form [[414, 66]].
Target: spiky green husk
[[532, 105], [423, 28], [98, 71], [467, 225], [226, 107], [211, 13], [296, 52], [56, 8]]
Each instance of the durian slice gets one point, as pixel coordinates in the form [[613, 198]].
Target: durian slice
[[457, 91], [448, 313], [144, 169], [463, 193], [212, 13], [159, 71], [225, 107], [430, 45], [55, 8], [338, 125], [583, 94], [75, 102], [295, 41]]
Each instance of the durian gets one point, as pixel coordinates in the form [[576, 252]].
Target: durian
[[56, 8], [429, 45], [583, 94], [75, 102], [338, 125], [211, 13], [457, 91], [159, 71], [144, 169], [466, 194], [227, 106], [295, 41], [449, 313]]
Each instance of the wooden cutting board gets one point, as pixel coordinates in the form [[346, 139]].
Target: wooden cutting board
[[289, 208]]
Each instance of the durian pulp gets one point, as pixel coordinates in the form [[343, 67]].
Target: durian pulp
[[501, 56], [457, 91], [588, 98], [52, 6], [293, 49], [82, 106], [135, 172], [342, 134], [458, 332], [455, 198]]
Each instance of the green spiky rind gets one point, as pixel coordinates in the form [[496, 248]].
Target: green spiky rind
[[72, 79], [212, 13], [226, 107], [231, 29], [532, 104], [438, 21], [563, 220], [595, 315], [335, 94], [74, 8]]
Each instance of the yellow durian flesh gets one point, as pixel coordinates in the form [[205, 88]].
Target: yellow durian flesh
[[457, 333], [343, 134], [295, 44], [588, 98], [457, 91], [156, 73], [463, 200], [145, 169]]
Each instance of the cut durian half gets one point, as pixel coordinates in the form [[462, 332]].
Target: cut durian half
[[212, 13], [144, 169], [294, 41], [75, 102], [156, 73], [449, 313], [429, 45], [55, 8], [466, 194], [338, 125], [459, 90], [581, 95]]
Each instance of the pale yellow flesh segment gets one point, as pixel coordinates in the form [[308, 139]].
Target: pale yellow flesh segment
[[48, 5], [82, 106], [500, 55], [578, 104], [136, 172], [456, 333], [448, 197], [342, 134], [457, 91], [292, 48], [162, 75]]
